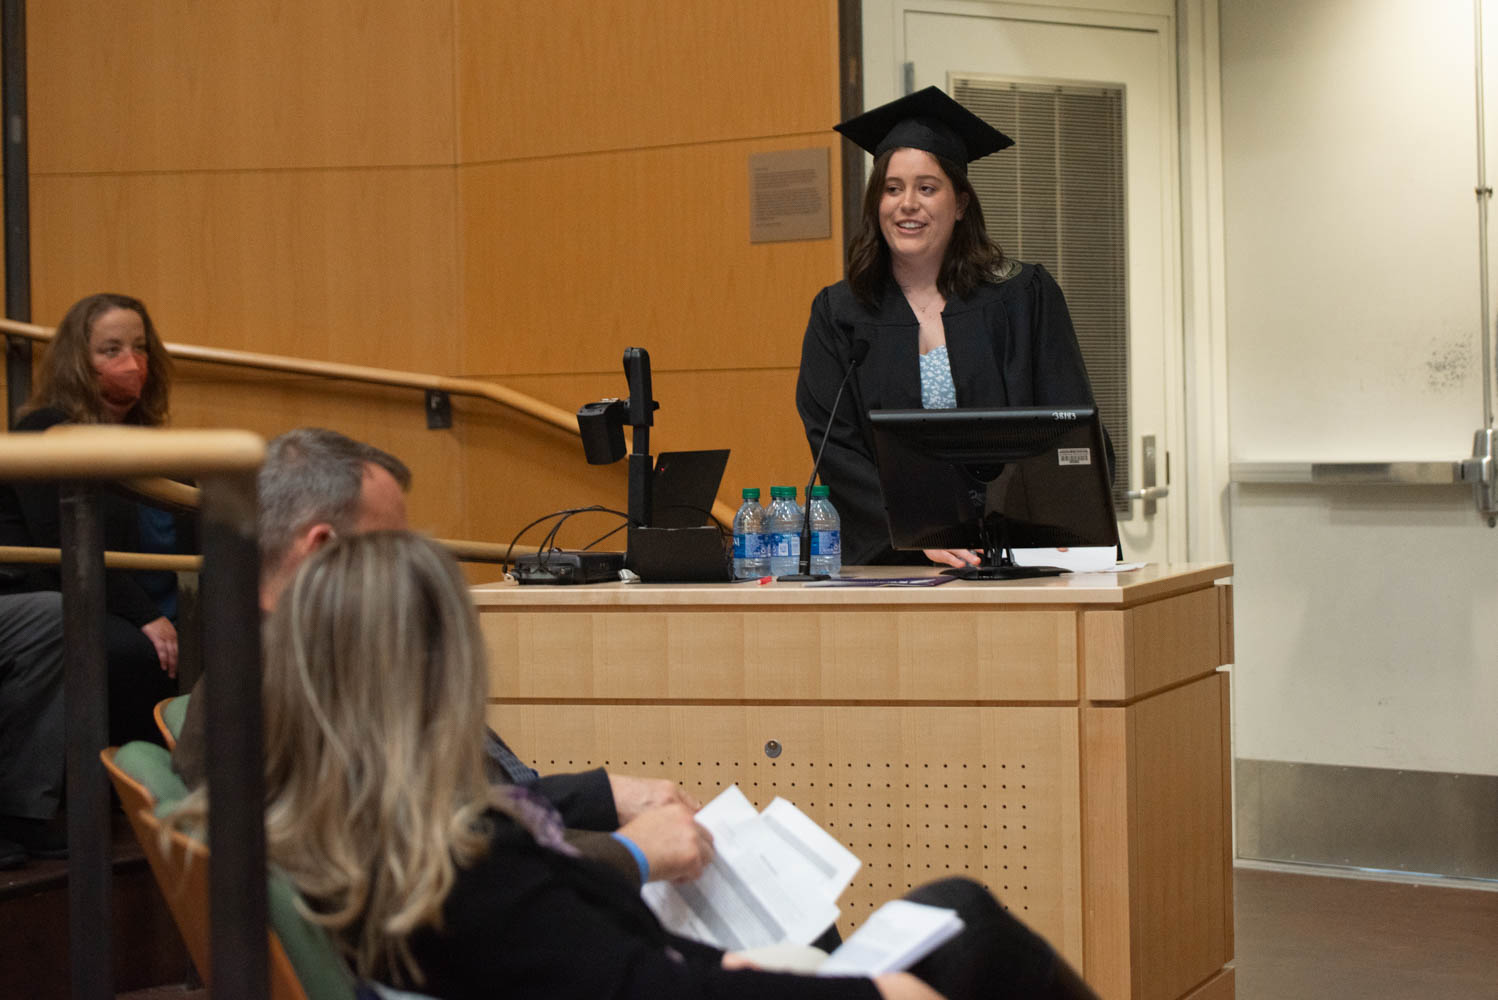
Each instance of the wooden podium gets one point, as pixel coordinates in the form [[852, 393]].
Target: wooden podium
[[1063, 741]]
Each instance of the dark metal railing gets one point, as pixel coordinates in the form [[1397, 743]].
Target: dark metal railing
[[225, 462]]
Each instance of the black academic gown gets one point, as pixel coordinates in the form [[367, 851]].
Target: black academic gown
[[1010, 343]]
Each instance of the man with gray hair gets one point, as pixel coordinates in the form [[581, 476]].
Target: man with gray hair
[[318, 484]]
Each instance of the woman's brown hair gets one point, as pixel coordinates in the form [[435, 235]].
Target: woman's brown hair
[[972, 258], [67, 381]]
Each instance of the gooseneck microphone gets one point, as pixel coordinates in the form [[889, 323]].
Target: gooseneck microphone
[[855, 358]]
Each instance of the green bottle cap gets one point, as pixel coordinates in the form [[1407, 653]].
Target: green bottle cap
[[750, 493], [820, 491]]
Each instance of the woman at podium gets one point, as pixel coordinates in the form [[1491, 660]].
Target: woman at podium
[[948, 319]]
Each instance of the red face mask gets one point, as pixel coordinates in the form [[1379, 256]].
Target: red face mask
[[122, 380]]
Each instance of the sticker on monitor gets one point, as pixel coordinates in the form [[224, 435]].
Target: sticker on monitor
[[1074, 456]]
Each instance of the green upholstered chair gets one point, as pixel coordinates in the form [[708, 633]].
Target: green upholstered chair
[[169, 715], [304, 965]]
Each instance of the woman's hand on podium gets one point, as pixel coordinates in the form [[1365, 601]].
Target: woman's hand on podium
[[954, 557]]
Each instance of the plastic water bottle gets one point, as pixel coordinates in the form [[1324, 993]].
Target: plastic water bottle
[[826, 533], [751, 545], [784, 525]]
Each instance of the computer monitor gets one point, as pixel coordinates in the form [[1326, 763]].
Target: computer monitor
[[993, 480]]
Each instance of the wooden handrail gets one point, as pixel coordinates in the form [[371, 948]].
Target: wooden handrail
[[529, 405], [167, 494], [465, 550], [122, 452], [37, 555]]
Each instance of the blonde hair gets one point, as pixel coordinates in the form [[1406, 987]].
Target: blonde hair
[[375, 683], [66, 378]]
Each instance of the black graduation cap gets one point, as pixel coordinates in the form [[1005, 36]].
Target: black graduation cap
[[929, 120]]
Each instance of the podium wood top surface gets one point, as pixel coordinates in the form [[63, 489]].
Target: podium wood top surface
[[1149, 583]]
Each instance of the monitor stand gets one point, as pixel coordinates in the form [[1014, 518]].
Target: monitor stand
[[1003, 568]]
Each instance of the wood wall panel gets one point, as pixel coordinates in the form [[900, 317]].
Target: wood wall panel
[[387, 418], [648, 247], [353, 266], [751, 412], [158, 171], [572, 76], [257, 83], [517, 469]]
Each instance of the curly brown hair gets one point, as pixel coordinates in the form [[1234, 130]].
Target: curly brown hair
[[66, 379], [972, 257]]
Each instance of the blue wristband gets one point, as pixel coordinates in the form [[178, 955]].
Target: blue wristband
[[638, 855]]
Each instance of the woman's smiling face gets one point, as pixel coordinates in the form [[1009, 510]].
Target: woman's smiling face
[[919, 206]]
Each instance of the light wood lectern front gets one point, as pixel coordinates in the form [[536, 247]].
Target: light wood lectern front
[[1063, 741]]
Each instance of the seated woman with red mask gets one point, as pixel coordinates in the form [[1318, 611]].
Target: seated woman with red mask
[[105, 365]]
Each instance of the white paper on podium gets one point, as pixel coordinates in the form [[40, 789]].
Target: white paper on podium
[[774, 878], [1080, 559]]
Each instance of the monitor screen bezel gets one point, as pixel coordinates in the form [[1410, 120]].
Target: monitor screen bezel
[[914, 445]]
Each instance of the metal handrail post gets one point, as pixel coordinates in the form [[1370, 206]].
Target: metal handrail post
[[17, 197], [85, 692], [236, 769]]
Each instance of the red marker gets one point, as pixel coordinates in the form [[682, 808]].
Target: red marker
[[766, 579]]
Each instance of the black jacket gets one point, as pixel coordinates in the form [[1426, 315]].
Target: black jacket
[[527, 922], [29, 516], [1010, 343]]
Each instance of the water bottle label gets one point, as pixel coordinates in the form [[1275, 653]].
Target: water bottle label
[[785, 545], [751, 546], [826, 543]]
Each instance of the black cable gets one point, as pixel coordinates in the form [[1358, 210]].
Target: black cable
[[608, 534], [548, 541]]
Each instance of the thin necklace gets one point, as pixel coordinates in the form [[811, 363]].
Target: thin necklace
[[924, 308]]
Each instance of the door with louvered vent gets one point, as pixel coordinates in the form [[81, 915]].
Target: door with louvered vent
[[1088, 191]]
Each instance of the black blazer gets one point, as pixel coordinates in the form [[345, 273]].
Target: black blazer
[[528, 922], [28, 516], [1010, 343]]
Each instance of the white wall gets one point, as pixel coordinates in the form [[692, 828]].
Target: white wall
[[1349, 133], [1367, 619]]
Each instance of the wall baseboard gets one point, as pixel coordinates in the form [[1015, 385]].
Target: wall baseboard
[[1422, 822]]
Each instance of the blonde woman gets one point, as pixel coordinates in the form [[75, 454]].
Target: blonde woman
[[427, 876]]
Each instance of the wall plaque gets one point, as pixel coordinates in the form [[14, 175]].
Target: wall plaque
[[789, 196]]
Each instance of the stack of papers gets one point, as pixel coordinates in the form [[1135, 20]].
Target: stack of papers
[[774, 882], [898, 935], [774, 878]]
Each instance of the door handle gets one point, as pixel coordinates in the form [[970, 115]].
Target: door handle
[[1148, 492]]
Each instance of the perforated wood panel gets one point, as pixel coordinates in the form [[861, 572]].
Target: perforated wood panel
[[917, 793]]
